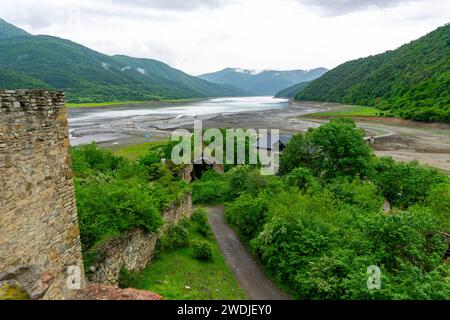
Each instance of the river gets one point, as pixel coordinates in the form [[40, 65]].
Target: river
[[127, 123]]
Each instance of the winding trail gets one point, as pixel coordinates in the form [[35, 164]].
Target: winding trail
[[247, 272]]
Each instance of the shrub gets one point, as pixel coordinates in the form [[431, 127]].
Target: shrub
[[200, 218], [128, 279], [211, 189], [301, 178], [202, 250], [108, 206], [438, 200], [177, 236], [404, 184], [247, 214]]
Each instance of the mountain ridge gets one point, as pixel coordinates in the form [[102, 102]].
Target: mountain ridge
[[262, 82], [86, 75]]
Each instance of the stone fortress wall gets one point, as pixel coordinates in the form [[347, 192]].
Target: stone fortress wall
[[39, 233]]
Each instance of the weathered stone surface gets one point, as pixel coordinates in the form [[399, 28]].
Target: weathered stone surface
[[104, 292], [38, 220], [12, 290]]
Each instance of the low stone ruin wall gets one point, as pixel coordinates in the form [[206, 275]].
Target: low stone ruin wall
[[135, 248]]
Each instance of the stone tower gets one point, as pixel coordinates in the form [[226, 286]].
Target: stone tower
[[39, 234]]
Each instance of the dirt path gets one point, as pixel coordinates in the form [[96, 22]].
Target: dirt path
[[247, 272]]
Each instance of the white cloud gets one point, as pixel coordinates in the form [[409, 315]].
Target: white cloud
[[338, 7], [204, 36]]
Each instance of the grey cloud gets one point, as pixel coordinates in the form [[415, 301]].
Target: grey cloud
[[340, 7], [174, 5]]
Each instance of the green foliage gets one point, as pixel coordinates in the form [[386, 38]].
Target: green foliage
[[291, 92], [411, 82], [210, 189], [438, 199], [108, 206], [114, 194], [404, 184], [128, 279], [176, 237], [341, 149], [247, 214], [200, 218], [300, 177], [202, 250], [319, 227], [172, 270], [334, 149]]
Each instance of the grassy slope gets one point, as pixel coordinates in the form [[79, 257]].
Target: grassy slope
[[133, 152], [348, 111], [173, 270]]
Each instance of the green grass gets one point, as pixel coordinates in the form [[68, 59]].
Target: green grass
[[348, 111], [121, 103], [133, 152], [172, 271]]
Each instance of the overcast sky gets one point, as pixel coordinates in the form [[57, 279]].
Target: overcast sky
[[199, 36]]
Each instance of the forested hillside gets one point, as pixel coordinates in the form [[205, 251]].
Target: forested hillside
[[412, 82], [291, 92], [89, 76]]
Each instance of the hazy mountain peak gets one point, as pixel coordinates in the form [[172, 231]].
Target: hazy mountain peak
[[260, 81]]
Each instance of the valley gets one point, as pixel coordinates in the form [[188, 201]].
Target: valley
[[138, 123]]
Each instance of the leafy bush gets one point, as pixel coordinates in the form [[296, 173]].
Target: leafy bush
[[177, 236], [114, 194], [334, 149], [438, 199], [128, 279], [108, 206], [200, 218], [404, 184], [247, 214], [211, 189], [301, 178], [202, 250]]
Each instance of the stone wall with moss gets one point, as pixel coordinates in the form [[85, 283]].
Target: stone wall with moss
[[39, 233]]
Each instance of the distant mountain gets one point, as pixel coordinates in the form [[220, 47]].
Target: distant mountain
[[291, 92], [88, 76], [262, 82], [412, 82]]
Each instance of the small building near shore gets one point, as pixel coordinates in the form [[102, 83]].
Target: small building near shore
[[271, 143]]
